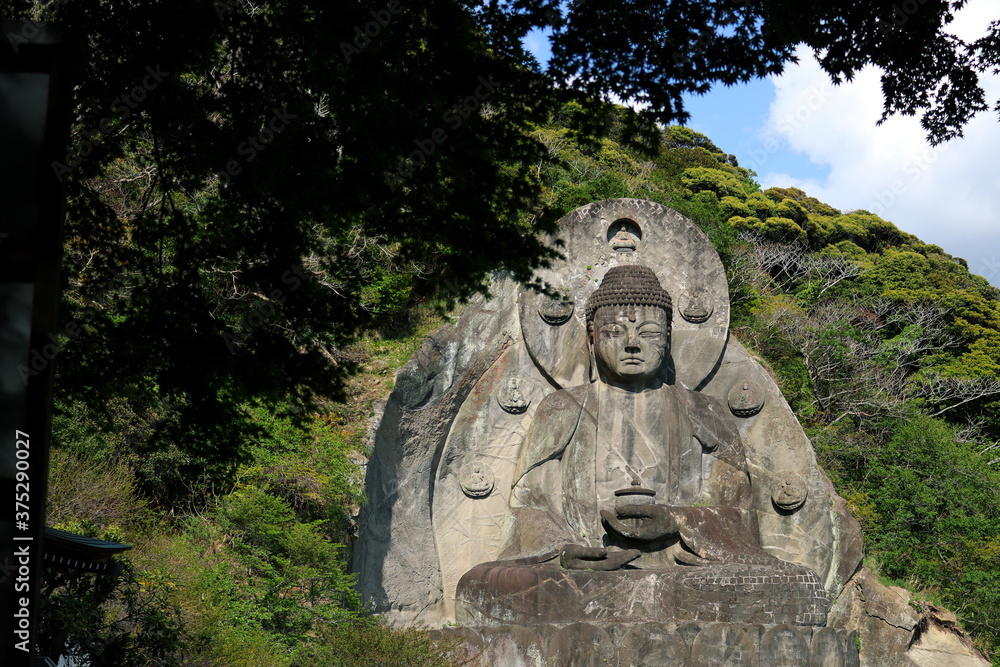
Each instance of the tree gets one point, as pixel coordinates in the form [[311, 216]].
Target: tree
[[231, 168]]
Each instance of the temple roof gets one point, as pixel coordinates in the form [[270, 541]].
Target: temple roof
[[64, 549]]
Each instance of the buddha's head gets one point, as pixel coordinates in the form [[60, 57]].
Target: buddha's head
[[628, 325]]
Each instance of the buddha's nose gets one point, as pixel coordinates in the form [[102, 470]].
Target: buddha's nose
[[632, 339]]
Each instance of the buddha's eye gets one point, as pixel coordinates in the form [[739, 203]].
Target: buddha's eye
[[650, 334], [613, 331]]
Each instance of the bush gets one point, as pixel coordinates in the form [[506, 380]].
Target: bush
[[784, 230], [760, 206], [930, 506], [370, 645], [731, 206], [92, 491], [788, 208], [256, 519], [722, 183]]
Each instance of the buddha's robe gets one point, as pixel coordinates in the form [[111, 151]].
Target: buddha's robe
[[586, 442]]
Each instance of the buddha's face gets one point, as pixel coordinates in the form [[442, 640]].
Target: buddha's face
[[630, 342]]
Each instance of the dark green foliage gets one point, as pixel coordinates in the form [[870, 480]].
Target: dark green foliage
[[348, 645], [811, 204], [239, 223], [109, 621], [256, 520], [721, 183], [930, 506], [678, 136]]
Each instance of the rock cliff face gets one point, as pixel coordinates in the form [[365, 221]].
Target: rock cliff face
[[447, 443], [893, 632]]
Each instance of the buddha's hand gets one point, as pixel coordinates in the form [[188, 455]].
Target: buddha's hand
[[579, 557], [655, 521]]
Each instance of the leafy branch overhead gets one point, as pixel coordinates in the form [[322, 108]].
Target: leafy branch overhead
[[652, 53]]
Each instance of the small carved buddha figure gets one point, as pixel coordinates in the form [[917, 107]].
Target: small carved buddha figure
[[623, 241]]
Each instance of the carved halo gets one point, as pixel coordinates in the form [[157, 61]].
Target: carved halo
[[790, 492], [555, 311], [510, 398], [667, 242]]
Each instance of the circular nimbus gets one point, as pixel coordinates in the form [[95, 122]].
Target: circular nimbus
[[679, 253], [790, 493]]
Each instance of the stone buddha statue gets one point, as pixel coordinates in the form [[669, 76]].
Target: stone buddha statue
[[631, 497]]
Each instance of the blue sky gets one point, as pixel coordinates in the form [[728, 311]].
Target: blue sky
[[732, 117], [797, 130]]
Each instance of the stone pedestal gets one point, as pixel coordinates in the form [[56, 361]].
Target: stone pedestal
[[498, 593], [693, 644]]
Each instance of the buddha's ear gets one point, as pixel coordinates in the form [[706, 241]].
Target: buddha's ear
[[667, 371], [592, 371]]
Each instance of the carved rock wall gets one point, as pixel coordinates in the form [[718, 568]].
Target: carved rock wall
[[894, 633], [396, 557], [446, 445]]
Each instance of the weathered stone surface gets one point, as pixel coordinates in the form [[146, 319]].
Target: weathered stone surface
[[396, 557], [882, 617], [653, 645], [820, 533], [658, 645], [830, 648], [583, 645], [723, 644], [939, 642], [892, 632], [785, 646], [448, 443], [513, 646], [498, 594]]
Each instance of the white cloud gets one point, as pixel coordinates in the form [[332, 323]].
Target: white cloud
[[949, 195]]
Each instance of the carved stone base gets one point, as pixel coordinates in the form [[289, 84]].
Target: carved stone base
[[653, 644], [499, 593]]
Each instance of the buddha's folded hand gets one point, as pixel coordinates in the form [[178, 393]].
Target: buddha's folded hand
[[655, 521], [579, 557]]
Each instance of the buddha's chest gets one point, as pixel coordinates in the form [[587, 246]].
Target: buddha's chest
[[642, 438]]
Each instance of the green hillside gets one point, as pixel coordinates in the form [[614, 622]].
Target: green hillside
[[887, 348]]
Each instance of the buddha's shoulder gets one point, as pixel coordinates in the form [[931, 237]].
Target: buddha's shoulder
[[696, 399], [712, 424], [565, 400]]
